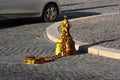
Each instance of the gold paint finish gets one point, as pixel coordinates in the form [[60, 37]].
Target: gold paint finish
[[65, 46]]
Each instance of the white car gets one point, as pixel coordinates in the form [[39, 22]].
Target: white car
[[47, 9]]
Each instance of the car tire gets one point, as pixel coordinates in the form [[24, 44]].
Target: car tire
[[50, 13]]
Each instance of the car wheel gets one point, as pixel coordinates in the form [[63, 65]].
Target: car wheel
[[50, 13]]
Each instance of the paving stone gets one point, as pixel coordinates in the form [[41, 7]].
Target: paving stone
[[22, 38]]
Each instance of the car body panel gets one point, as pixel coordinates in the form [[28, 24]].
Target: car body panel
[[27, 6], [7, 6], [23, 8]]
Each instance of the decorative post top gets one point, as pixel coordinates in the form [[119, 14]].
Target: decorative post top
[[65, 17]]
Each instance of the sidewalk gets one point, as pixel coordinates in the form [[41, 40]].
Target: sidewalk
[[98, 35]]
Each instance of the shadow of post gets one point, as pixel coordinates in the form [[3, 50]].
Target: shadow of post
[[84, 48]]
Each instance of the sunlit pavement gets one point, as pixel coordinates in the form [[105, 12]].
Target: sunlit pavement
[[22, 38]]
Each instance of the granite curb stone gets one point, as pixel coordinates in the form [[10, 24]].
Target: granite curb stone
[[53, 34]]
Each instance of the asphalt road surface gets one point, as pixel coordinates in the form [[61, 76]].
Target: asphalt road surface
[[24, 37]]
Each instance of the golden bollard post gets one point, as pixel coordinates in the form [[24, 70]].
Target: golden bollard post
[[65, 46]]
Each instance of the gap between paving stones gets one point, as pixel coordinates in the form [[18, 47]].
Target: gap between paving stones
[[53, 34]]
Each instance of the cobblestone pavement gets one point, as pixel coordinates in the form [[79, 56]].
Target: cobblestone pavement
[[22, 38], [30, 39], [81, 8], [103, 31]]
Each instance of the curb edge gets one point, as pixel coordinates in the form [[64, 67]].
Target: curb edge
[[53, 34]]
